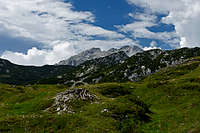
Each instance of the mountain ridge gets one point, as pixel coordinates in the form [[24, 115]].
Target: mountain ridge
[[17, 74], [117, 67], [133, 68], [95, 53]]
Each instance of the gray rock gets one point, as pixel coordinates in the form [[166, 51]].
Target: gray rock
[[131, 50], [96, 53], [63, 101]]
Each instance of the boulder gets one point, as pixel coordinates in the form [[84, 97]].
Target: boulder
[[63, 101]]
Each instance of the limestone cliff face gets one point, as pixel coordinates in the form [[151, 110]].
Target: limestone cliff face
[[96, 53]]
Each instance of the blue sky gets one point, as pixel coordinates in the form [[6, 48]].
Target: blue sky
[[109, 13], [47, 31], [16, 44]]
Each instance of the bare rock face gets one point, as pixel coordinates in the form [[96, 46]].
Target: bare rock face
[[84, 56], [96, 53], [64, 100], [131, 50]]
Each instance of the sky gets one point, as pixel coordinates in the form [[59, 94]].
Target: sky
[[39, 32]]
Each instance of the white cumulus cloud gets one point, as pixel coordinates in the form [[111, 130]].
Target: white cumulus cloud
[[184, 14], [54, 23], [139, 29], [38, 57]]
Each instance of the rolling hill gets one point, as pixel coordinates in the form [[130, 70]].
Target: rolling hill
[[163, 102]]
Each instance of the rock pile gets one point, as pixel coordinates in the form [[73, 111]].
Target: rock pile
[[64, 100]]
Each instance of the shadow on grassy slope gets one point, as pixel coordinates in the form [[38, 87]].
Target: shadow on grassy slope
[[173, 93]]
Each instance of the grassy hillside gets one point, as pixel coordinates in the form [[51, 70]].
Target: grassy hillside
[[22, 109], [174, 96], [165, 102], [16, 74]]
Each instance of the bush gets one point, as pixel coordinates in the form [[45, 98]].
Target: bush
[[129, 112], [189, 86], [115, 90]]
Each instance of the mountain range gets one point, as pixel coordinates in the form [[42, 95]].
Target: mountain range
[[152, 91], [95, 53], [130, 63]]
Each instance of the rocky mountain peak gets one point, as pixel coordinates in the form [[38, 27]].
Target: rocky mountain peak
[[95, 53], [113, 50], [131, 50], [91, 51]]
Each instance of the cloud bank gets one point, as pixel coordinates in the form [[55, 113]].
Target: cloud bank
[[183, 14], [54, 23], [63, 31], [139, 29]]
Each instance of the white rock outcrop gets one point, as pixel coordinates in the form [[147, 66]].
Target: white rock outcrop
[[64, 100]]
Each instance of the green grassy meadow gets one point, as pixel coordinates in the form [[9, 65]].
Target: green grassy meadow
[[165, 102]]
